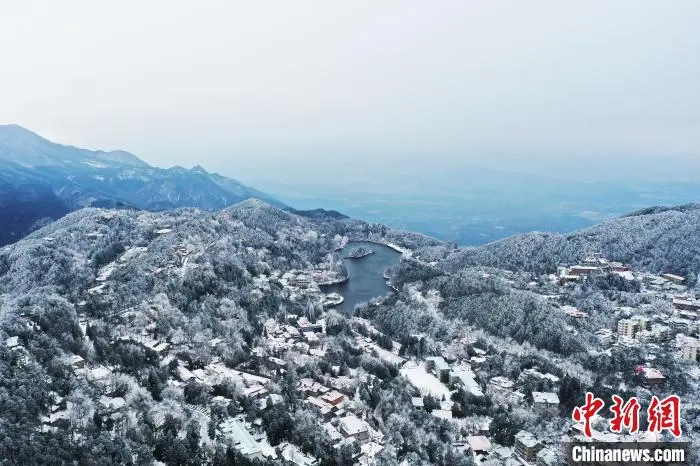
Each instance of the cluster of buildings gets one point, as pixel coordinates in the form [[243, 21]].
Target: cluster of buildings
[[16, 345], [296, 333], [527, 449], [440, 376], [642, 329], [680, 327], [255, 447], [595, 265], [455, 376], [666, 322], [677, 327], [592, 265], [344, 422], [247, 438], [530, 449], [300, 286]]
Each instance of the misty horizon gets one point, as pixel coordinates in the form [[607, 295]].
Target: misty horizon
[[463, 202], [591, 168], [247, 88]]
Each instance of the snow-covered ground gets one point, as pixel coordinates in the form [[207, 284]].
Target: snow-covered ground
[[427, 383]]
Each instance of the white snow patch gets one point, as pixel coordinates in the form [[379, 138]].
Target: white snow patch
[[427, 383], [94, 164]]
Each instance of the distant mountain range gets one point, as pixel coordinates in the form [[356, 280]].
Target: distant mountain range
[[41, 181]]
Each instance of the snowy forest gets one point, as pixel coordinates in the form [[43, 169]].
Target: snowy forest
[[133, 337]]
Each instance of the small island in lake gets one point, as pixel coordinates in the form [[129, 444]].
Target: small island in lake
[[332, 299], [359, 252]]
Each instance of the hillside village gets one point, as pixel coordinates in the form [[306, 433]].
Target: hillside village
[[676, 326], [471, 235], [337, 372]]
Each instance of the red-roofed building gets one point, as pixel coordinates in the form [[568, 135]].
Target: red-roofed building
[[333, 397]]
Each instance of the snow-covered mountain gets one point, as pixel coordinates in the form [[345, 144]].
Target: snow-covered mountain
[[657, 239], [127, 333], [29, 150], [64, 178]]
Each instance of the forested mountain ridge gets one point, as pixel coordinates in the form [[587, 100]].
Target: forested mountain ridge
[[136, 336], [89, 236], [656, 239], [659, 209], [22, 209], [79, 178], [82, 297]]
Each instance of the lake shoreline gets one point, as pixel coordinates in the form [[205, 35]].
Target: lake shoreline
[[365, 278]]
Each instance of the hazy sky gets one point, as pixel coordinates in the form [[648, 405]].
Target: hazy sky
[[240, 87]]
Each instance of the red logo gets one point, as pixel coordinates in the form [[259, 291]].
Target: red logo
[[665, 415], [587, 411], [661, 414], [625, 415]]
